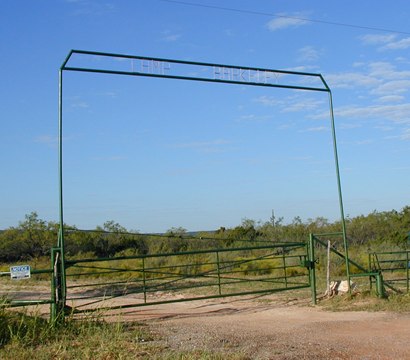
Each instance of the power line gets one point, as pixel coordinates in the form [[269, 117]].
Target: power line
[[260, 13]]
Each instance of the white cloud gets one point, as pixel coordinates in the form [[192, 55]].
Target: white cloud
[[212, 146], [381, 78], [351, 80], [110, 158], [399, 113], [373, 39], [46, 139], [170, 36], [386, 71], [405, 135], [303, 105], [229, 32], [284, 21], [348, 126], [303, 68], [254, 118], [80, 105], [384, 128], [387, 42], [269, 101], [308, 53], [291, 104], [316, 129], [391, 98], [398, 45], [365, 142], [392, 87]]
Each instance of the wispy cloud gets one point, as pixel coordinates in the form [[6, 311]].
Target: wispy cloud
[[384, 128], [169, 36], [254, 118], [308, 53], [87, 7], [386, 42], [269, 101], [348, 80], [285, 21], [291, 103], [348, 126], [391, 98], [405, 135], [316, 129], [377, 39], [398, 45], [110, 158], [386, 71], [80, 105], [46, 139], [365, 142], [392, 87], [211, 146], [379, 78], [398, 113]]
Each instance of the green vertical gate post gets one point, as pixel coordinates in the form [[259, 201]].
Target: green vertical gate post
[[380, 286], [339, 190], [144, 280], [53, 305], [57, 306], [59, 263], [407, 269], [284, 267], [219, 273], [311, 266], [370, 270]]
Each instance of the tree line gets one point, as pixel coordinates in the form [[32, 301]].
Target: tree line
[[34, 237]]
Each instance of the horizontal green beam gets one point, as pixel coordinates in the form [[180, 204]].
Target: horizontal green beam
[[209, 251], [191, 78], [19, 303], [270, 291], [328, 234]]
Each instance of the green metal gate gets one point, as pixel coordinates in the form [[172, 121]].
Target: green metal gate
[[395, 267], [149, 279]]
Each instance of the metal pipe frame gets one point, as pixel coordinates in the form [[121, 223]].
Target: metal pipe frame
[[62, 293]]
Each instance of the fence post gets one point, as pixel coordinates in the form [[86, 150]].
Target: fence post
[[370, 270], [284, 267], [312, 273], [144, 280], [219, 272], [380, 286], [407, 269], [57, 287], [53, 305]]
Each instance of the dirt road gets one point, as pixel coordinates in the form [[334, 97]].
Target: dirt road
[[277, 329], [269, 327]]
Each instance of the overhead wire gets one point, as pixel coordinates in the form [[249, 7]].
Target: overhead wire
[[261, 13]]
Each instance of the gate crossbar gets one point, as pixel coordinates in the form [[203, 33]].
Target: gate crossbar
[[186, 276]]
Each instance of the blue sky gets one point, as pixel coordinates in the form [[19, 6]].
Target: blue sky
[[153, 154]]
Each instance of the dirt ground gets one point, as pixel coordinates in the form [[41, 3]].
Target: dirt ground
[[277, 326], [274, 327]]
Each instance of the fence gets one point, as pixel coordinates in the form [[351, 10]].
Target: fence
[[394, 265], [149, 279]]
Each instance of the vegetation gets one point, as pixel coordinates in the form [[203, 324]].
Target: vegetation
[[25, 336], [366, 301], [33, 237], [28, 337]]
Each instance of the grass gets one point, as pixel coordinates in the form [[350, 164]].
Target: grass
[[31, 337], [367, 301], [24, 336]]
